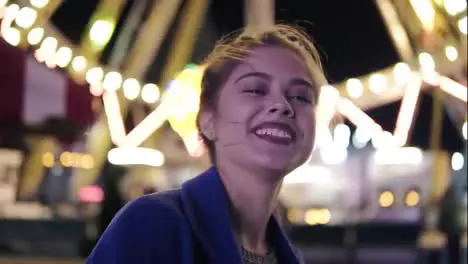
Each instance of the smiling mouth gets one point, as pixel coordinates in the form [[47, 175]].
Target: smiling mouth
[[276, 133]]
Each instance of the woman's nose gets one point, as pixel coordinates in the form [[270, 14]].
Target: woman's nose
[[281, 108]]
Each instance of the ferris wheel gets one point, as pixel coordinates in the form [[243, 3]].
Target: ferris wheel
[[430, 37]]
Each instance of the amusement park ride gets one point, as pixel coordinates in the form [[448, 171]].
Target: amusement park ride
[[430, 37]]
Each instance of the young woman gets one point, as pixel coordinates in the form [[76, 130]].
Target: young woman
[[257, 119]]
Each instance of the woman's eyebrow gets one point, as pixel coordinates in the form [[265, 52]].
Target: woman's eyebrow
[[300, 81], [266, 76], [262, 75]]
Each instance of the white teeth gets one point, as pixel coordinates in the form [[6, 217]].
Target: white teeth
[[273, 132]]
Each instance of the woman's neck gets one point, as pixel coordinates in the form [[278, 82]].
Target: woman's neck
[[253, 198]]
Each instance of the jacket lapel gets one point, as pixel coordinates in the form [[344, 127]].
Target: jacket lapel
[[283, 248], [205, 203]]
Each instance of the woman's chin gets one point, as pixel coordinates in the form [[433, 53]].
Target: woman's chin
[[277, 165]]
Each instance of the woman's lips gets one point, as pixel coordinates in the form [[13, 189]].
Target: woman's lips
[[277, 133]]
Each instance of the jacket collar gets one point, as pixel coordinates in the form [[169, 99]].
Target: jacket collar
[[205, 202]]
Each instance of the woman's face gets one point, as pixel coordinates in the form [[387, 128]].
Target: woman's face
[[265, 116]]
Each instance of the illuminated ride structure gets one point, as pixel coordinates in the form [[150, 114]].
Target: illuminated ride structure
[[429, 36]]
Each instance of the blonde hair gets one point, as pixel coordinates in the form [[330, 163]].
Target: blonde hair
[[231, 50]]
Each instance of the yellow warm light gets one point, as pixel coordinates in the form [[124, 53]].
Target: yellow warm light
[[39, 56], [94, 75], [96, 89], [465, 130], [454, 7], [46, 52], [48, 160], [26, 17], [426, 62], [295, 215], [131, 89], [50, 62], [35, 36], [377, 83], [8, 17], [87, 161], [354, 88], [69, 159], [401, 73], [425, 12], [39, 3], [462, 26], [184, 93], [150, 93], [101, 32], [386, 199], [112, 81], [451, 53], [63, 57], [79, 64], [3, 3], [317, 216], [49, 45], [12, 36], [66, 159], [412, 198], [74, 160]]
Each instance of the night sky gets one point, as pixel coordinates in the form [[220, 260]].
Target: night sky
[[351, 36]]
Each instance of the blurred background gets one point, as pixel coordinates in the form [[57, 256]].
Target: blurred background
[[98, 101]]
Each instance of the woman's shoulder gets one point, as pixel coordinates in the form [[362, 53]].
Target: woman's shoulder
[[151, 227], [156, 206]]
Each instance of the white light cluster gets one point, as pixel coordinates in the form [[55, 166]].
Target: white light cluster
[[136, 156], [458, 161], [464, 130], [454, 7], [54, 53]]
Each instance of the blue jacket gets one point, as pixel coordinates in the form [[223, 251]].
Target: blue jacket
[[189, 225]]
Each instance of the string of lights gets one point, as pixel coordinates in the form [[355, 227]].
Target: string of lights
[[404, 80]]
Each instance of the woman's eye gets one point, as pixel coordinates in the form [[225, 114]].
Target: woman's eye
[[302, 99], [255, 91]]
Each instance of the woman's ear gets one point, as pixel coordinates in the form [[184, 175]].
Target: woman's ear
[[206, 124]]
